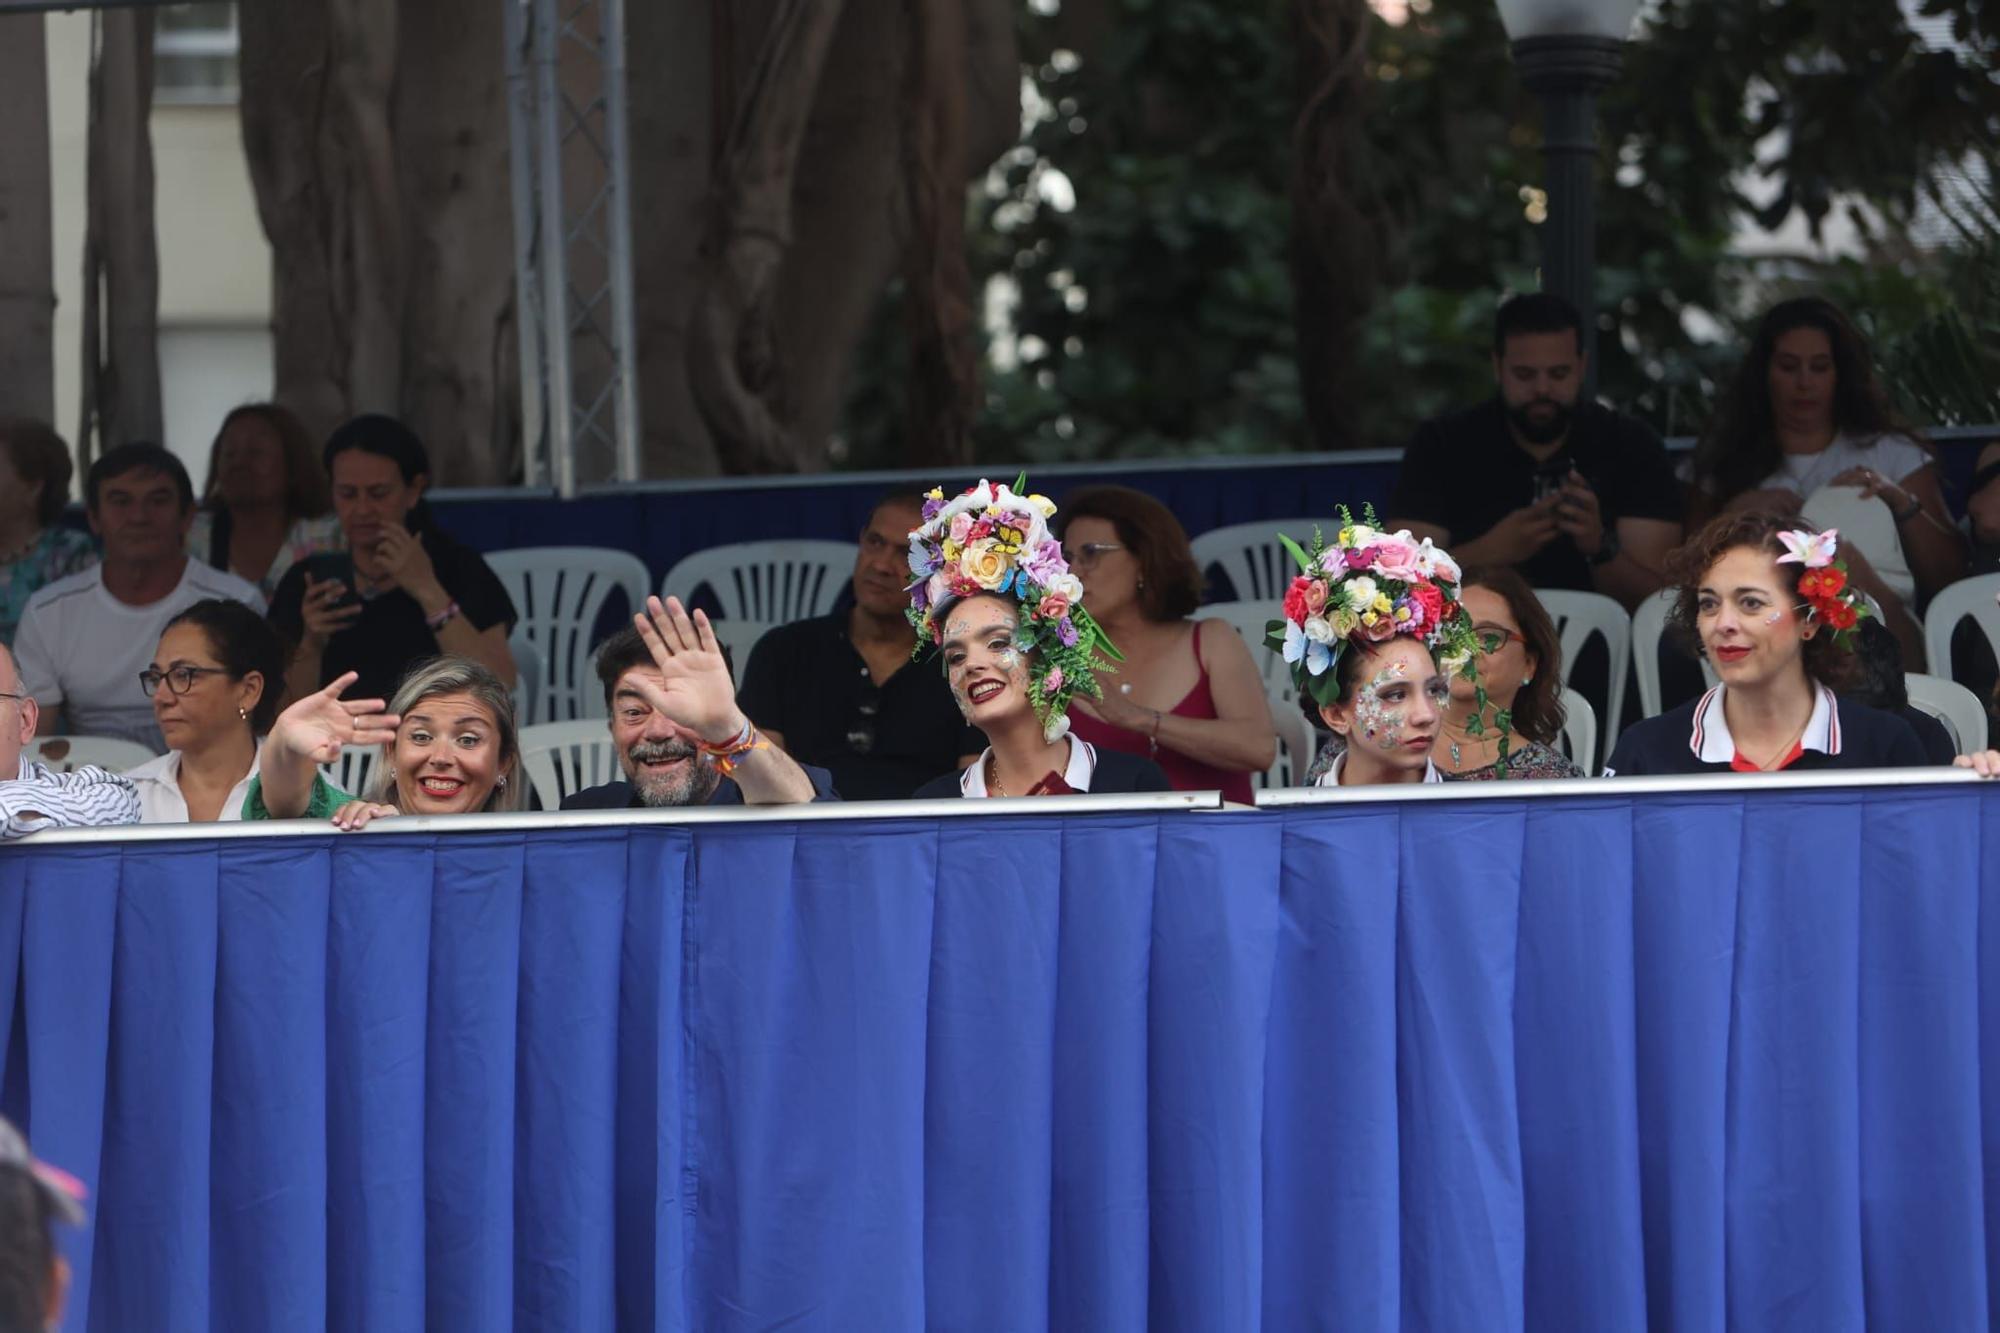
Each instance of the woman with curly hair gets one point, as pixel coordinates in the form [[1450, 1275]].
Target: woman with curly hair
[[1772, 608], [1807, 425]]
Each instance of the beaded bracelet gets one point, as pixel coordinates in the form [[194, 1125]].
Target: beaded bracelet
[[442, 618], [725, 755]]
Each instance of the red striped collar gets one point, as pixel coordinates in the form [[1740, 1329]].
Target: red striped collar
[[1712, 744]]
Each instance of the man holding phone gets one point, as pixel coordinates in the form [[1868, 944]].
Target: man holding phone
[[1571, 494], [403, 592]]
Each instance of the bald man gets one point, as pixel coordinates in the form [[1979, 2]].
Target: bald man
[[33, 796]]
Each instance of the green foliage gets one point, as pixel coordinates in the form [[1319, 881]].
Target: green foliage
[[1154, 318]]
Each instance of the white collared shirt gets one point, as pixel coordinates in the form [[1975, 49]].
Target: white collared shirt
[[1331, 778], [1712, 744], [1077, 773], [160, 799]]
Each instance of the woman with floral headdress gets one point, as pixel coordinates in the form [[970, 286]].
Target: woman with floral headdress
[[1374, 631], [993, 593], [1771, 606]]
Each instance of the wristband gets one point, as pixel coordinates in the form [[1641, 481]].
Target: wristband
[[442, 618], [1916, 507], [725, 756]]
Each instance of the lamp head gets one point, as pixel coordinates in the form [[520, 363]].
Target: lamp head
[[1602, 19]]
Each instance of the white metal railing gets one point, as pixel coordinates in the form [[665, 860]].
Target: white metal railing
[[1197, 802]]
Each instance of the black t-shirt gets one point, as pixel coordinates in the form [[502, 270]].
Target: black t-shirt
[[390, 636], [624, 796], [806, 682], [1464, 473]]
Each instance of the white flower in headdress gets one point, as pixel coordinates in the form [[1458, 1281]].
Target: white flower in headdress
[[1814, 550]]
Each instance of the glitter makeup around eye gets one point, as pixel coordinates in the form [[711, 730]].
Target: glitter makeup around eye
[[1379, 722]]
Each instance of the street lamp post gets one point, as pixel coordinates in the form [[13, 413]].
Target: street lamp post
[[1569, 51]]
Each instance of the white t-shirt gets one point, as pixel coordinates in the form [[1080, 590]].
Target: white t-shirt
[[1893, 456], [160, 799], [1867, 524], [81, 649]]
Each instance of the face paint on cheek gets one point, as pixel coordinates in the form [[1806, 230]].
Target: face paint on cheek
[[1010, 661], [1774, 617], [1378, 721]]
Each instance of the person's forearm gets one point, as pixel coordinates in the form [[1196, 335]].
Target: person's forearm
[[1936, 553], [1235, 745], [1627, 579], [769, 776], [459, 638], [302, 675], [287, 780]]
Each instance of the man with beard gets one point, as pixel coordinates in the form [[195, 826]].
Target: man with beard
[[842, 691], [1571, 495], [681, 738]]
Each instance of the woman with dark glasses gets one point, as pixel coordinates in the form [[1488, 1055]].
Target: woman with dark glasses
[[215, 682]]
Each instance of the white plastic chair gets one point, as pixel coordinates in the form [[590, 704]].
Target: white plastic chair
[[1952, 704], [739, 637], [559, 592], [352, 770], [775, 582], [1579, 733], [1649, 626], [1250, 620], [527, 678], [1968, 597], [562, 758], [1581, 615], [1259, 568], [1298, 743], [66, 754]]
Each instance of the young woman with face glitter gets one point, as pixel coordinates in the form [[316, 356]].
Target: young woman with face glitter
[[1374, 631], [994, 595]]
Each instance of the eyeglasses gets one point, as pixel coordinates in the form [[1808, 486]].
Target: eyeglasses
[[1492, 638], [179, 679], [1091, 552]]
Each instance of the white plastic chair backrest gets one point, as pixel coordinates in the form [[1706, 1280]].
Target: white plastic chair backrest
[[66, 754], [1581, 615], [739, 637], [1579, 733], [352, 770], [527, 678], [1952, 704], [1968, 597], [1298, 743], [562, 758], [1649, 626], [1259, 568], [559, 592], [1250, 620], [775, 582]]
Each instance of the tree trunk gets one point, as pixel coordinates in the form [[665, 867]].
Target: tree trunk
[[1342, 239], [27, 292], [377, 136], [122, 267]]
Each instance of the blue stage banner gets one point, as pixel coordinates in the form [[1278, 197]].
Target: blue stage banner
[[1575, 1056]]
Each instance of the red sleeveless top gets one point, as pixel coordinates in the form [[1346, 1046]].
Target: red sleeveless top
[[1186, 774]]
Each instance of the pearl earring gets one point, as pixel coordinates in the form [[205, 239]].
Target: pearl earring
[[502, 782], [1527, 680], [240, 713]]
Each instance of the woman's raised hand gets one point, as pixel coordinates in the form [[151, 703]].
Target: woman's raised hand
[[321, 724]]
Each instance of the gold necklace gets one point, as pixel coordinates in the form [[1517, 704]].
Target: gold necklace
[[993, 787]]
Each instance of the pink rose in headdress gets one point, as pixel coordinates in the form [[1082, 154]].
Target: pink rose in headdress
[[1315, 597], [1383, 628], [961, 528], [1053, 681], [1053, 606], [1295, 599], [1395, 558], [1333, 560]]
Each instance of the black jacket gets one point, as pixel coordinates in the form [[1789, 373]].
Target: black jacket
[[1869, 738]]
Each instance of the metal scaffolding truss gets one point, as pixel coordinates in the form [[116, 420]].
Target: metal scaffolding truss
[[572, 240]]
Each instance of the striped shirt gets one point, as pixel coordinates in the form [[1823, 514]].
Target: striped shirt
[[43, 798]]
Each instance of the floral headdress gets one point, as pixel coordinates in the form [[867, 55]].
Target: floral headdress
[[991, 539], [1368, 586], [1839, 606]]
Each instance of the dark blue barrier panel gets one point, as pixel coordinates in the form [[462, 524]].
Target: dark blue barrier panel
[[1602, 1058]]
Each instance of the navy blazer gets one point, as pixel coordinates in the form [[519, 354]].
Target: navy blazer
[[1116, 771], [1869, 738]]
